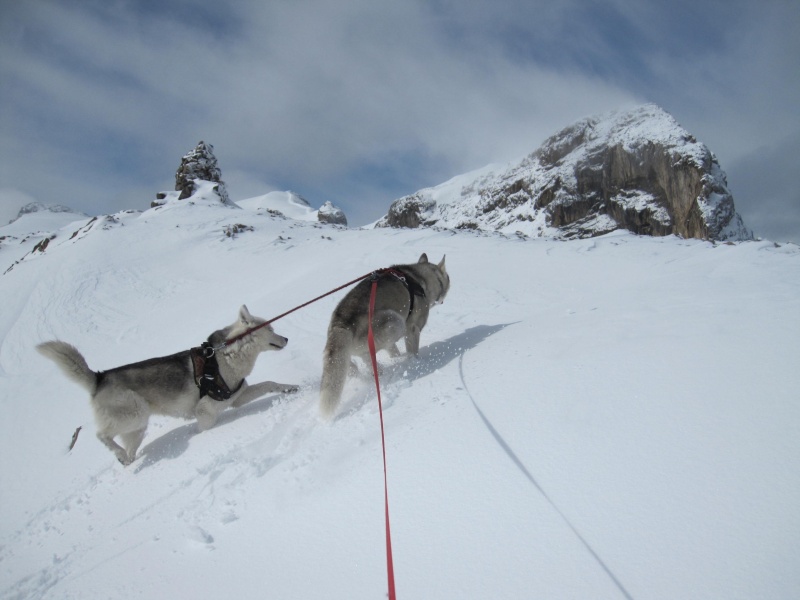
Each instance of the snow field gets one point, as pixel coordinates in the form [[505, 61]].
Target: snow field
[[630, 397]]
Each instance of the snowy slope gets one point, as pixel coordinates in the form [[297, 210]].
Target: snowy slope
[[604, 418], [23, 233], [288, 204]]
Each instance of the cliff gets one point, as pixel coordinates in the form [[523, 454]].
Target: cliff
[[637, 170]]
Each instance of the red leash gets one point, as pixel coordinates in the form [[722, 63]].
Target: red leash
[[372, 352], [227, 343], [394, 272]]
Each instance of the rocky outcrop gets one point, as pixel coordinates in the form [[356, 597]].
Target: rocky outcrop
[[198, 165], [329, 213], [291, 205], [412, 211], [636, 170]]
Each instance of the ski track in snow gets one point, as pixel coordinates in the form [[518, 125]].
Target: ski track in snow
[[524, 470]]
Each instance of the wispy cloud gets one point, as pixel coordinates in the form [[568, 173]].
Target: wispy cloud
[[360, 102]]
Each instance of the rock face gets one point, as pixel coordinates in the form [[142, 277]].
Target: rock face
[[636, 170], [200, 164], [329, 213]]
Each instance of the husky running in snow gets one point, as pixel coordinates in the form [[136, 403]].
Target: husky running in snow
[[404, 297], [124, 398]]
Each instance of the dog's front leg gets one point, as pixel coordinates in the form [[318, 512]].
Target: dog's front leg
[[412, 339], [132, 440], [207, 412], [119, 451], [248, 393]]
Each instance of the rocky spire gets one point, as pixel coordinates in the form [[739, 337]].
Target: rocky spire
[[200, 163]]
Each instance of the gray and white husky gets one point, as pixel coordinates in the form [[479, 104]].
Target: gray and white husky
[[404, 297], [123, 398]]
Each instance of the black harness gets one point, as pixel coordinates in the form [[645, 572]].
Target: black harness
[[412, 285], [207, 376]]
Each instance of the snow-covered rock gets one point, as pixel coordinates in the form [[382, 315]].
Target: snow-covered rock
[[637, 170], [293, 206], [285, 204], [198, 165], [329, 213]]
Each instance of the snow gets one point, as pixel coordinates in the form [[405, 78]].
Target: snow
[[287, 203], [606, 418], [645, 124], [21, 234]]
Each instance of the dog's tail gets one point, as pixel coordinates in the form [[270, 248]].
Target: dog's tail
[[71, 362], [335, 364]]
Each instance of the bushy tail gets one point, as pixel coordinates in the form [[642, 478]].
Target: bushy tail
[[335, 364], [71, 362]]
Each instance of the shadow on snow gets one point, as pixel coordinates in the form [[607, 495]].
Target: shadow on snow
[[435, 356]]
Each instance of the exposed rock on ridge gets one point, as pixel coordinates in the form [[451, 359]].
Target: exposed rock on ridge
[[330, 213], [198, 165], [636, 170]]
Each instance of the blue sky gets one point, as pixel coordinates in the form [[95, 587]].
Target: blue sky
[[360, 102]]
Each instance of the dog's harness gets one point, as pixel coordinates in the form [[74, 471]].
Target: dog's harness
[[207, 376], [412, 285]]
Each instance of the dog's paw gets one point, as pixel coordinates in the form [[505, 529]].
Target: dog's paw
[[290, 389]]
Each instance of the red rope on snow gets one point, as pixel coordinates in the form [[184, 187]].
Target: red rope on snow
[[372, 352]]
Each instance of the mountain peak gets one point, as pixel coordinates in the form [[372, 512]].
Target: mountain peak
[[635, 169], [38, 207], [644, 124]]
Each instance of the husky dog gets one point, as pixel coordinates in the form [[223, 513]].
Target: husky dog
[[403, 299], [124, 398]]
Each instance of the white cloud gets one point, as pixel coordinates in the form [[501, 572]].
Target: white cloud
[[360, 101]]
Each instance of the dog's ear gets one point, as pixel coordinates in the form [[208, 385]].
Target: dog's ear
[[423, 259], [244, 315], [441, 262]]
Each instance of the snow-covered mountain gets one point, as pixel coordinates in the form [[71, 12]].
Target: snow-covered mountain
[[637, 170], [293, 206], [199, 176], [42, 209], [32, 230], [606, 418]]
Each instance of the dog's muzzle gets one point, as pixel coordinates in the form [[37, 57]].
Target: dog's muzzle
[[280, 347]]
